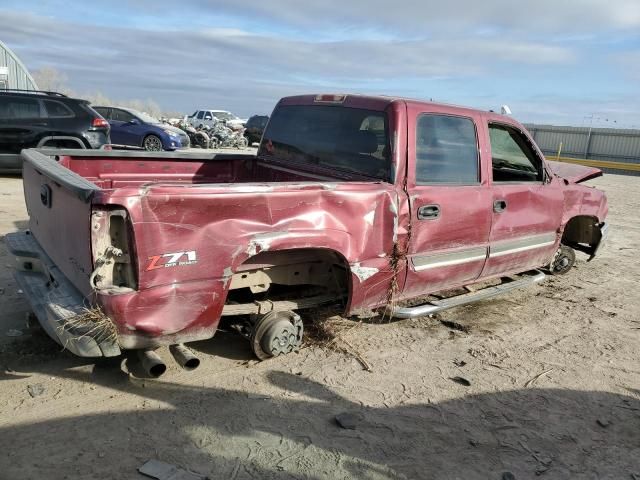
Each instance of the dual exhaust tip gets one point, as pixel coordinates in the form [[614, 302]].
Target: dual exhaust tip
[[154, 366]]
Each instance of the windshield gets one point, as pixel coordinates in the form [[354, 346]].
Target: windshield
[[145, 117], [224, 115], [349, 139]]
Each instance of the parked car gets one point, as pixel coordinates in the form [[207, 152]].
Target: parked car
[[34, 119], [368, 203], [254, 128], [138, 129], [210, 117]]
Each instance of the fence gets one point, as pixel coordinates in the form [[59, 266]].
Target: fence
[[613, 150]]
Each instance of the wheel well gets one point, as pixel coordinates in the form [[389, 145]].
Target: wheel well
[[291, 274], [582, 229], [151, 134], [71, 143]]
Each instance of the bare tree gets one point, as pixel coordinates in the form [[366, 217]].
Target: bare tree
[[51, 79]]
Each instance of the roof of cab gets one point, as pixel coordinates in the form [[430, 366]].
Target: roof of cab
[[377, 102]]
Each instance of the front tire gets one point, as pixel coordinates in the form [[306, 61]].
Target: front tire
[[563, 260], [152, 143]]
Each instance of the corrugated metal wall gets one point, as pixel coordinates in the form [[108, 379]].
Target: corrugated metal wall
[[618, 145], [17, 74]]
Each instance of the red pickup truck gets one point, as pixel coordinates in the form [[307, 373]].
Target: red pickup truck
[[372, 203]]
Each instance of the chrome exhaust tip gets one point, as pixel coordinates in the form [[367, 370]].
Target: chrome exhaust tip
[[152, 364], [184, 357]]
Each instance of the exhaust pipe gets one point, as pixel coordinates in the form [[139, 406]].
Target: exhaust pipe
[[185, 357], [152, 363]]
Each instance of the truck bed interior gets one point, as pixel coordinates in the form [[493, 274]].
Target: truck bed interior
[[115, 172]]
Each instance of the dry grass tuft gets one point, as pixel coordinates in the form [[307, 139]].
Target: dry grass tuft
[[326, 329], [94, 323]]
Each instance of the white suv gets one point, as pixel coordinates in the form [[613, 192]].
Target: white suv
[[211, 117]]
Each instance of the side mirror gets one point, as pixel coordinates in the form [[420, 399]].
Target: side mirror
[[134, 121]]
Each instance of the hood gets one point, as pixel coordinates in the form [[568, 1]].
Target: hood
[[574, 173], [171, 128]]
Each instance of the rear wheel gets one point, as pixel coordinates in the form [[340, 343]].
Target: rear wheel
[[276, 333], [152, 143], [242, 142]]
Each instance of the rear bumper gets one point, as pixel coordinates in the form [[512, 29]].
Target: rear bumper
[[10, 163], [56, 302]]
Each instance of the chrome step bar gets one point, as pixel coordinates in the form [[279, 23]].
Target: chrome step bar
[[483, 294]]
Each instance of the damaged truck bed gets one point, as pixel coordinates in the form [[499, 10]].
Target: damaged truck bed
[[362, 202]]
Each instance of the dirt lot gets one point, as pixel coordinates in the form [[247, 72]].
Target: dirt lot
[[554, 390]]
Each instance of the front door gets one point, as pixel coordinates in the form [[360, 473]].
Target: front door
[[123, 132], [527, 204], [450, 203]]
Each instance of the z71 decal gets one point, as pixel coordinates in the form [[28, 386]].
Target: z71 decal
[[177, 259]]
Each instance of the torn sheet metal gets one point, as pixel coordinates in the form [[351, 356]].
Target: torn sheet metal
[[363, 273]]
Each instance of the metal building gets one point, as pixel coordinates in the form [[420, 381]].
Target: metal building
[[13, 73]]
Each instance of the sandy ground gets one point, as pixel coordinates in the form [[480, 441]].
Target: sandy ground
[[554, 390]]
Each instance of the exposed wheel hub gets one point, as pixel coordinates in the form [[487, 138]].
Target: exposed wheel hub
[[563, 260], [276, 333]]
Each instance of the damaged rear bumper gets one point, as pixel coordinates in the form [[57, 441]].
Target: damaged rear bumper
[[56, 302]]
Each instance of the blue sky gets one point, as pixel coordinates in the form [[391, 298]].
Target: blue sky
[[552, 62]]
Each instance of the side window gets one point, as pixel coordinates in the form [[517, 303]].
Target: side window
[[57, 109], [21, 108], [446, 150], [513, 158], [207, 116], [103, 111], [121, 115], [200, 115]]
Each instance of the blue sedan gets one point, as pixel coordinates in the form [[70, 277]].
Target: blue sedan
[[138, 129]]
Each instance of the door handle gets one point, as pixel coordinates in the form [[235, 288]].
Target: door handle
[[499, 206], [429, 212]]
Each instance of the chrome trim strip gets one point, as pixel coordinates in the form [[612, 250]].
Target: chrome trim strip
[[426, 262], [522, 244]]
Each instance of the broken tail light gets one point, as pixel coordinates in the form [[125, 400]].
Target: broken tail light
[[112, 249]]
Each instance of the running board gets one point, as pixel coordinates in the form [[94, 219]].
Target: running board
[[483, 294]]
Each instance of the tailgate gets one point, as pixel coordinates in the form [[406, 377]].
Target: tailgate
[[59, 205]]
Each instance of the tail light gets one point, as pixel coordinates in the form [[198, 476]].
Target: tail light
[[113, 252], [100, 123]]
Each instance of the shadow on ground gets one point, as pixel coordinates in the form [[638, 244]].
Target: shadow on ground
[[292, 433]]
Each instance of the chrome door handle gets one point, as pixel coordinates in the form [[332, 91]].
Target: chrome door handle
[[499, 206], [429, 212]]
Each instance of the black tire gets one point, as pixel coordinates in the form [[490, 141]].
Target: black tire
[[152, 143], [202, 139]]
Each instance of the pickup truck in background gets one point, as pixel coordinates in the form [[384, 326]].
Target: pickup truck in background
[[370, 203]]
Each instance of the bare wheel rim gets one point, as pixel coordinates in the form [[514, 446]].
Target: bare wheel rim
[[152, 143]]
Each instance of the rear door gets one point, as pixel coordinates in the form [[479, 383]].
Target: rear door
[[450, 202], [526, 206], [22, 123]]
